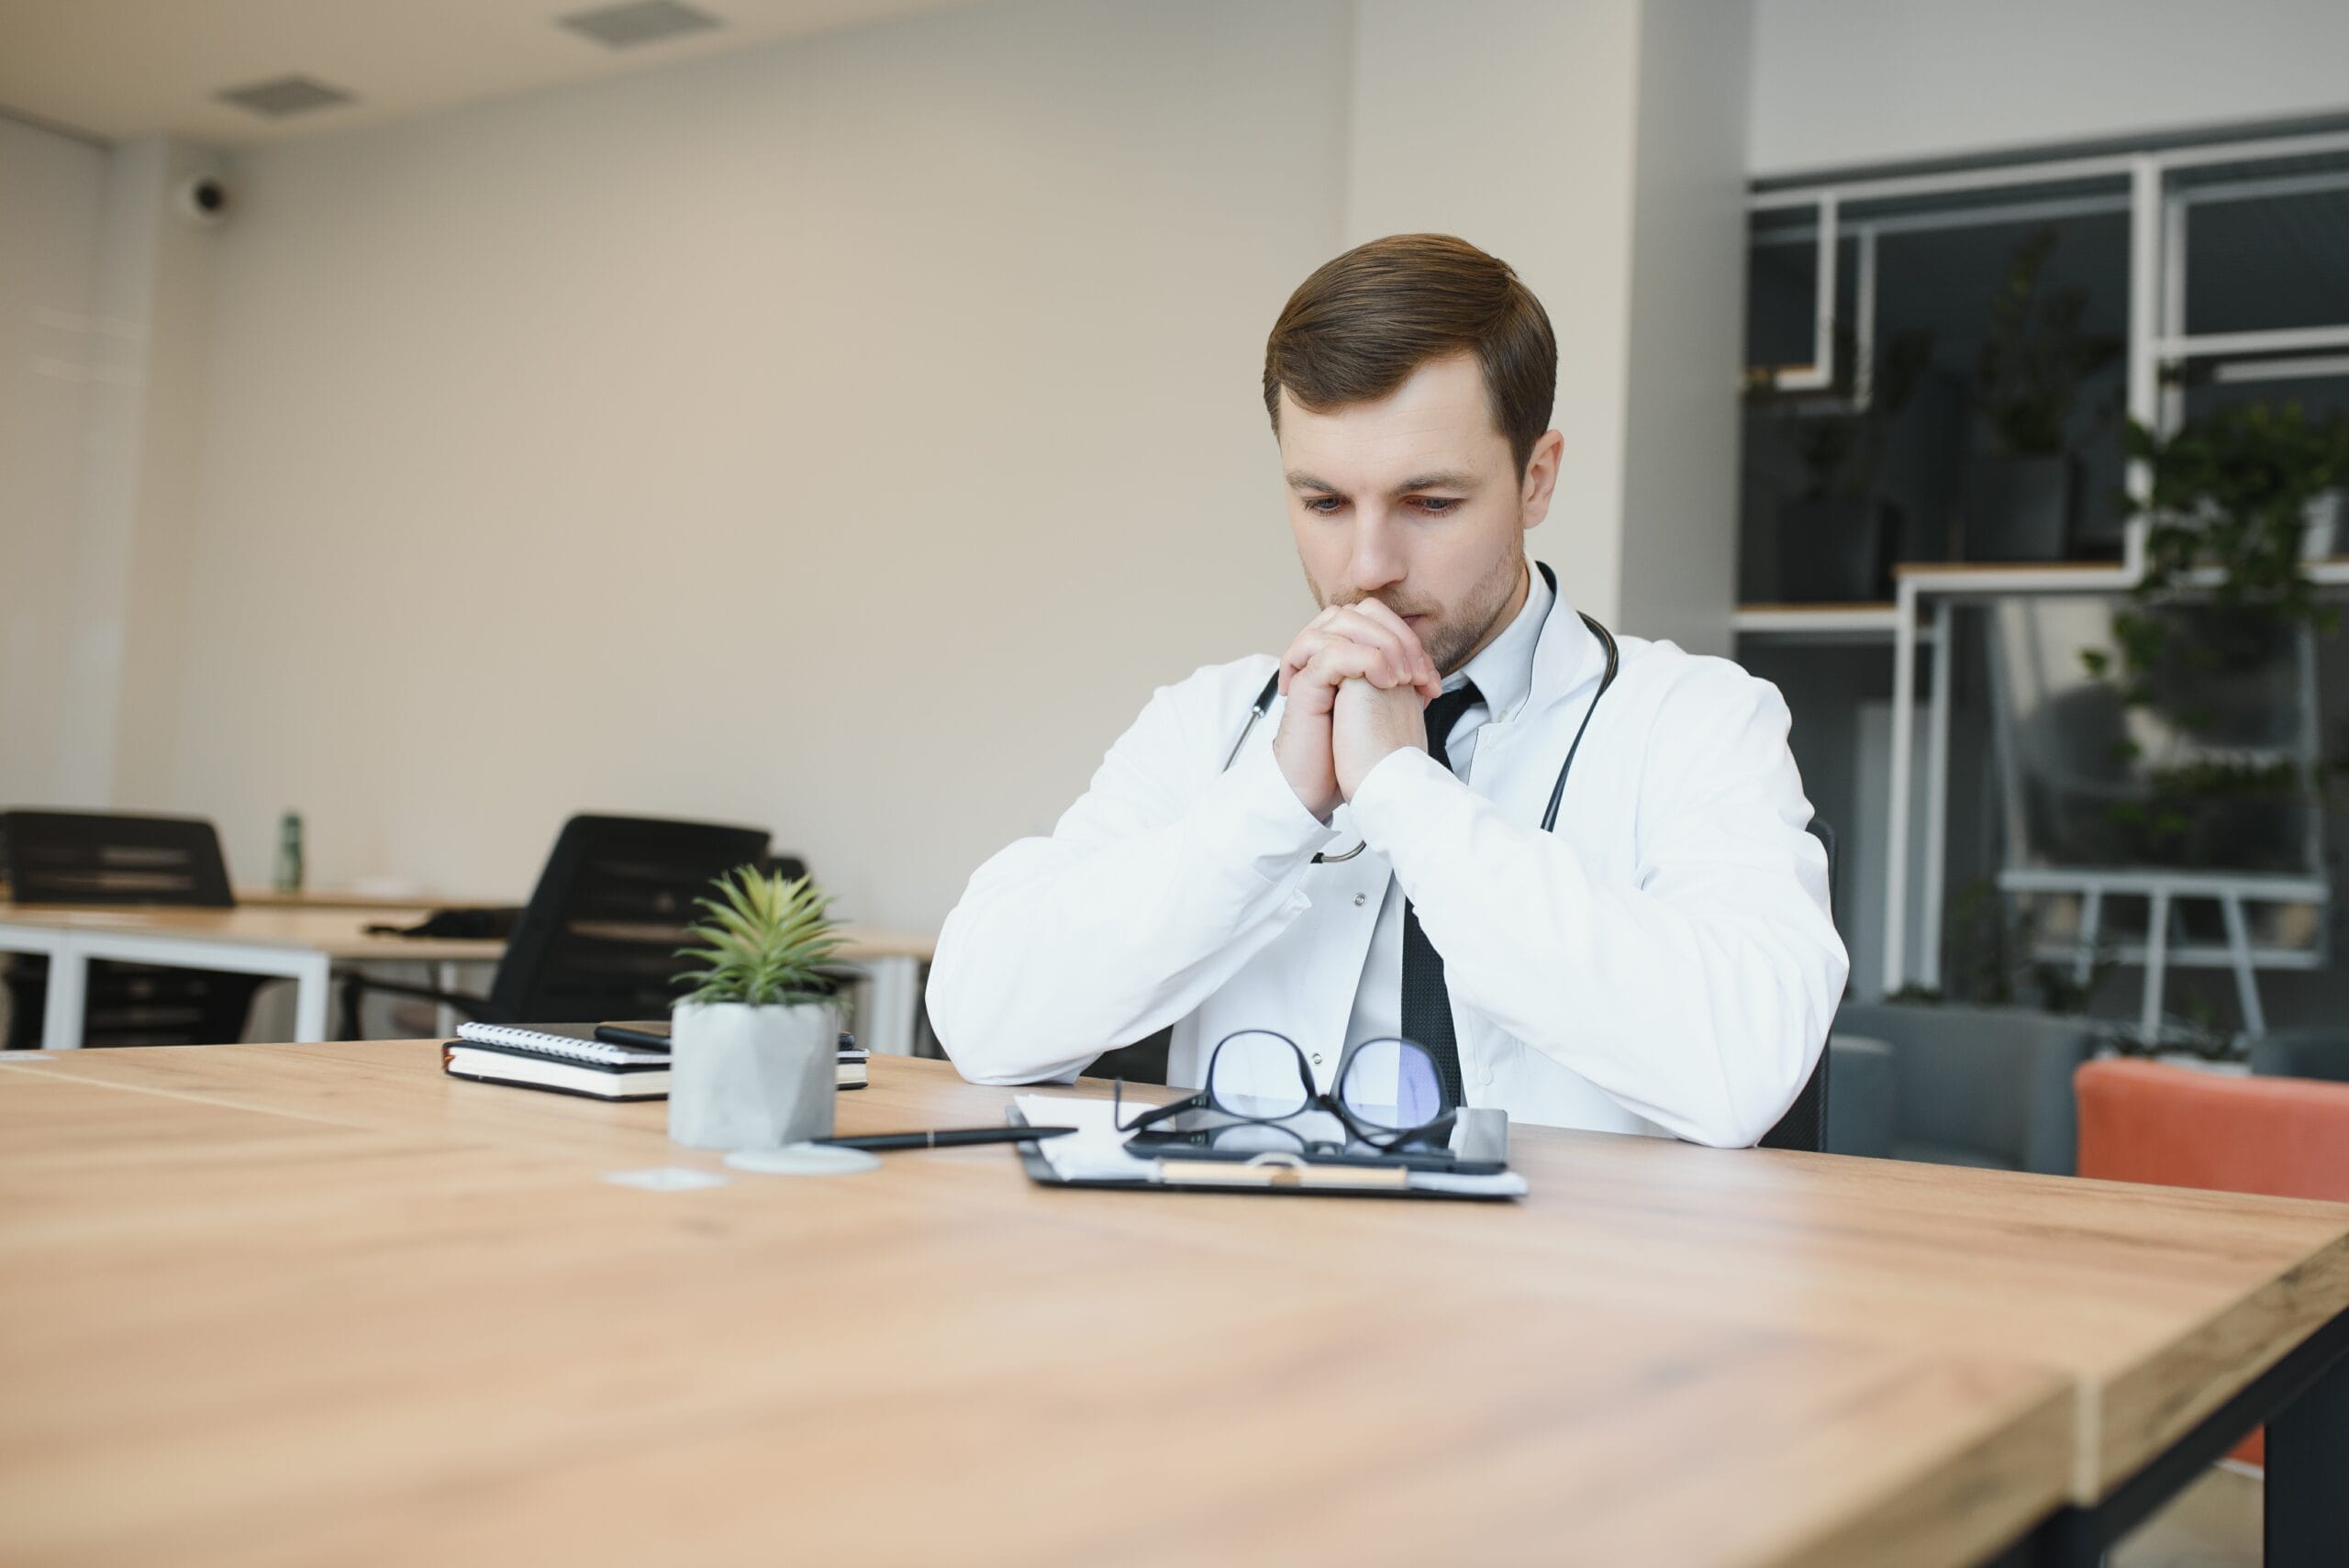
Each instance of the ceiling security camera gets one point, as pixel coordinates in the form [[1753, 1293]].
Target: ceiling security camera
[[203, 200]]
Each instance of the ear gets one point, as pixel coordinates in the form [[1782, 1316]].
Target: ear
[[1541, 478]]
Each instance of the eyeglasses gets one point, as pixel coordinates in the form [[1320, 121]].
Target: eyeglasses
[[1388, 1093]]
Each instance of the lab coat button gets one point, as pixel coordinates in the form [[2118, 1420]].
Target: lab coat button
[[1317, 1059], [1360, 899]]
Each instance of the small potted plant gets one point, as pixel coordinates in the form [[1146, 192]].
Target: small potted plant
[[753, 1047], [2022, 495], [1838, 537]]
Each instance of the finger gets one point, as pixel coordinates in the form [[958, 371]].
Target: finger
[[1300, 649], [1355, 625], [1389, 633], [1345, 659], [1313, 640], [1426, 676], [1382, 613], [1305, 644]]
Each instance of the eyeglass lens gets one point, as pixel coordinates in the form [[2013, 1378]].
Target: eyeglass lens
[[1392, 1084], [1258, 1074]]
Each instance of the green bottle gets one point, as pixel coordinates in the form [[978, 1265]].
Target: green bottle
[[289, 853]]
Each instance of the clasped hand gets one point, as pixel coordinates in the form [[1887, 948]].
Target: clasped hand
[[1358, 685]]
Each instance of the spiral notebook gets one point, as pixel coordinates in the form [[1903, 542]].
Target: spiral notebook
[[563, 1042], [568, 1059]]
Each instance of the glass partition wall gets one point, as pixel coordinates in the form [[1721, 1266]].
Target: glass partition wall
[[1941, 371], [1962, 395]]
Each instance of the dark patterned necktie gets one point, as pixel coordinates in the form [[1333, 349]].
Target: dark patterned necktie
[[1427, 1004]]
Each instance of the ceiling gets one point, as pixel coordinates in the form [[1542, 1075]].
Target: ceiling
[[110, 70]]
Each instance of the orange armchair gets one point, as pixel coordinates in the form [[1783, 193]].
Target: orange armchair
[[2176, 1127], [2143, 1122]]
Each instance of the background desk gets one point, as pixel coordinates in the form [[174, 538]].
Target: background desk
[[303, 943], [324, 1302]]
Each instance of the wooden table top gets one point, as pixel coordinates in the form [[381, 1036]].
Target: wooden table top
[[340, 932], [292, 1303], [325, 1286]]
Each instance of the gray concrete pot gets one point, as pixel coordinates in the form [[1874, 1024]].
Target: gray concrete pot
[[745, 1077]]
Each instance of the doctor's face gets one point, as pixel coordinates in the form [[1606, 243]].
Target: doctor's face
[[1415, 500]]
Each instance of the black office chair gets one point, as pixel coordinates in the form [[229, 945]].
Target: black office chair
[[1804, 1124], [599, 940], [104, 857]]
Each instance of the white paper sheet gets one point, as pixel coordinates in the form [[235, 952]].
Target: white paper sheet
[[1096, 1152]]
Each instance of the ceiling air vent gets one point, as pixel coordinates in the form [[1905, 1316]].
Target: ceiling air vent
[[284, 95], [638, 21]]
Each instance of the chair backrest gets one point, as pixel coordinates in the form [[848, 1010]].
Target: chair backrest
[[597, 940], [2175, 1126], [1991, 1082], [105, 857], [2319, 1051], [2144, 1121], [1804, 1124]]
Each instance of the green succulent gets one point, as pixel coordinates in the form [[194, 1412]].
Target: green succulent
[[766, 942]]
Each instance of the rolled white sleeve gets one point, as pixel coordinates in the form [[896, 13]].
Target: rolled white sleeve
[[1697, 992], [1152, 890]]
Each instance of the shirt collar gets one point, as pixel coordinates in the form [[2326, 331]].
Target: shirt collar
[[1503, 670]]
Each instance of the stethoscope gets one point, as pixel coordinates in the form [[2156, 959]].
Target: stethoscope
[[1557, 791]]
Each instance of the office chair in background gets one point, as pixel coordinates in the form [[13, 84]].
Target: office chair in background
[[1804, 1124], [104, 857], [597, 940]]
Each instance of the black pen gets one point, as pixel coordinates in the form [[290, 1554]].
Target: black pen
[[949, 1138]]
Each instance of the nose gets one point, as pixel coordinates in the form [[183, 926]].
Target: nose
[[1377, 559]]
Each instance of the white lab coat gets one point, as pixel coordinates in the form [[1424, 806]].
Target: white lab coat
[[1664, 963]]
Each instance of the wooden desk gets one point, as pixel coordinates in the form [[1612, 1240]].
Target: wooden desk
[[302, 1304], [303, 943], [340, 898], [1632, 1365]]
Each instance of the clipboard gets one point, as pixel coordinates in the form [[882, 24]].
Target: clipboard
[[1276, 1176]]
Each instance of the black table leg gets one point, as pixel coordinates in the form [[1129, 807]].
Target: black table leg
[[2304, 1401], [2308, 1476]]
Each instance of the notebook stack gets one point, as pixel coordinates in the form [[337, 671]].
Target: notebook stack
[[604, 1062]]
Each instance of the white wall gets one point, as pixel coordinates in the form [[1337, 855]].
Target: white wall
[[1686, 324], [1529, 157], [1605, 161], [842, 437], [144, 449], [52, 193], [1838, 84]]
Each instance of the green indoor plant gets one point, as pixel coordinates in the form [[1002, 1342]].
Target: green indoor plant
[[2020, 495], [753, 1046], [1837, 539], [2233, 491]]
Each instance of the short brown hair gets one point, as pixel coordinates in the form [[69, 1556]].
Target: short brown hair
[[1357, 328]]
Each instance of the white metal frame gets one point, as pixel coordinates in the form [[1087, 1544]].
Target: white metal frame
[[2162, 890], [890, 1016], [70, 951], [2157, 336]]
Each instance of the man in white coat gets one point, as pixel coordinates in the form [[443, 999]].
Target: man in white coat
[[1661, 961]]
